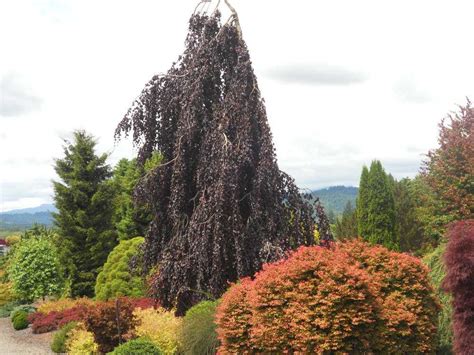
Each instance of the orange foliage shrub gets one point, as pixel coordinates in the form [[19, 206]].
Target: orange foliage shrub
[[351, 298], [409, 307], [233, 317]]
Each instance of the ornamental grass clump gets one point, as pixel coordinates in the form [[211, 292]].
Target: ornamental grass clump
[[198, 332], [437, 273]]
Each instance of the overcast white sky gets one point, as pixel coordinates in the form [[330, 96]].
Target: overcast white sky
[[345, 82]]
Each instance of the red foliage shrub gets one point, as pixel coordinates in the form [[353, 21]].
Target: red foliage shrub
[[111, 322], [459, 259], [409, 307], [233, 316], [349, 299], [43, 323], [47, 322], [143, 302]]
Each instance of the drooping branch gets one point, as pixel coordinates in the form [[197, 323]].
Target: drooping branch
[[221, 205]]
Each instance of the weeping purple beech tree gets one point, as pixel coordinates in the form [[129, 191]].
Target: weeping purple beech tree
[[221, 206]]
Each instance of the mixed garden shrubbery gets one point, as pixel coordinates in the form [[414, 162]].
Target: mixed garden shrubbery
[[352, 298]]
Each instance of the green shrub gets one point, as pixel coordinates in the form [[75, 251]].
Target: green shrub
[[198, 332], [434, 261], [81, 342], [58, 345], [137, 347], [22, 308], [6, 294], [115, 279], [20, 320], [35, 269]]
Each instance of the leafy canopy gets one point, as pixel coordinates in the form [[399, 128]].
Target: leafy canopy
[[35, 269], [220, 205]]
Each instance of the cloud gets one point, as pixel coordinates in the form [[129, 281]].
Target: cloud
[[406, 90], [16, 98], [315, 74], [37, 188]]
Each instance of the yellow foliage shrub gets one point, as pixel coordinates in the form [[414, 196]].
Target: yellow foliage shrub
[[81, 342], [160, 326], [63, 304], [6, 294]]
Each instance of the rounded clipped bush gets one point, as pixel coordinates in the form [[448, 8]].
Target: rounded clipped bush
[[115, 279], [352, 298], [409, 304], [11, 240], [20, 320], [139, 346], [198, 333], [58, 345]]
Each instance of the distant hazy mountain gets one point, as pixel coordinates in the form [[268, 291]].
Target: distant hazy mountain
[[41, 208], [27, 217], [335, 197]]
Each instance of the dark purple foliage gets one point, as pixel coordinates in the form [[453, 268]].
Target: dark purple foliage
[[221, 205], [459, 259]]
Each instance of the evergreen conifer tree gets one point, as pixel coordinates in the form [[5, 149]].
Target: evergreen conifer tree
[[130, 220], [408, 229], [84, 199], [346, 226], [379, 226], [362, 202]]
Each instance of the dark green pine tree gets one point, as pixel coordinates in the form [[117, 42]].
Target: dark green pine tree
[[362, 202], [346, 226], [84, 198], [408, 229], [379, 226]]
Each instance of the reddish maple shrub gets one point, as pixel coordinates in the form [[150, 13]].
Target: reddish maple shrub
[[47, 322], [43, 323], [459, 281], [111, 322], [351, 298], [143, 302], [233, 317], [409, 306]]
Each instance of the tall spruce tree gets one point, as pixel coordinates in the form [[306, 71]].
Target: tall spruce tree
[[84, 199], [362, 202], [376, 207]]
